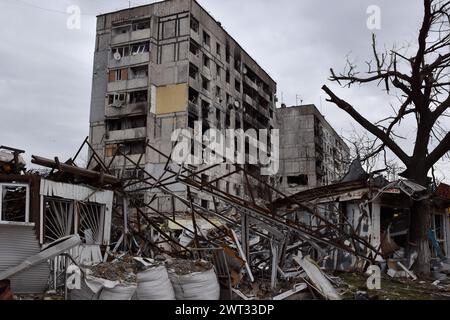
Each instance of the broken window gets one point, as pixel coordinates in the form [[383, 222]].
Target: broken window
[[205, 109], [227, 120], [117, 99], [227, 53], [237, 85], [206, 61], [120, 30], [301, 180], [205, 83], [228, 76], [114, 125], [238, 124], [237, 64], [194, 24], [191, 123], [194, 48], [138, 96], [133, 148], [218, 72], [126, 123], [139, 48], [218, 115], [14, 203], [141, 25], [206, 39], [193, 96], [140, 72], [218, 49], [193, 71], [121, 51], [218, 92]]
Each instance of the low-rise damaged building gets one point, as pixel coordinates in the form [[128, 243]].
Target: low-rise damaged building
[[37, 212], [377, 211]]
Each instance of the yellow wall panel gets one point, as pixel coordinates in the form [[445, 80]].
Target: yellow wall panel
[[171, 99]]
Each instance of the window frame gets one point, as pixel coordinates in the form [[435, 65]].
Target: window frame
[[27, 203]]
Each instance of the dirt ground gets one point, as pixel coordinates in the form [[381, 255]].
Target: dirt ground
[[393, 289]]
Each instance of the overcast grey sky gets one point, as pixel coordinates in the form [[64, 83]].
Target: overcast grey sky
[[46, 69]]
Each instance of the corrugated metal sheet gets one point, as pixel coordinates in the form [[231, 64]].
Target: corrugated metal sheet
[[18, 242]]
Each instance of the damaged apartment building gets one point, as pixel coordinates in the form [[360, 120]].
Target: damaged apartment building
[[162, 67], [312, 154]]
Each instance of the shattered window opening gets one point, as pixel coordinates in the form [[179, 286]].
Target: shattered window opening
[[141, 25], [14, 203], [301, 180]]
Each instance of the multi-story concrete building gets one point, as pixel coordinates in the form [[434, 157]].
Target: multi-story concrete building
[[312, 154], [161, 67]]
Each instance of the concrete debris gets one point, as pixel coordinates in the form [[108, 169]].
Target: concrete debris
[[122, 270], [185, 267]]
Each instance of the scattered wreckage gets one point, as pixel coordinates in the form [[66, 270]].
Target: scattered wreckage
[[86, 234]]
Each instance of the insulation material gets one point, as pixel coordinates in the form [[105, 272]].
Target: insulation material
[[171, 99], [154, 284], [17, 243], [196, 286]]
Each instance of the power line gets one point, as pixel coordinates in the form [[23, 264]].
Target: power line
[[32, 5]]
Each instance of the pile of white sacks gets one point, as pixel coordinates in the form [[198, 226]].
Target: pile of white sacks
[[155, 282]]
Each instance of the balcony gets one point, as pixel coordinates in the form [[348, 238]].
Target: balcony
[[129, 60], [140, 35], [195, 36], [250, 82], [128, 134], [131, 36], [195, 59], [128, 84], [126, 110], [248, 99], [265, 95]]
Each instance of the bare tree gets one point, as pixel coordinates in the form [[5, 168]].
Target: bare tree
[[373, 157], [421, 83]]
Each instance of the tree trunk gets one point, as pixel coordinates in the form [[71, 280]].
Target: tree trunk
[[420, 225]]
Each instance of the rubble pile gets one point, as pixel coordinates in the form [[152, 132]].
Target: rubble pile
[[122, 270]]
